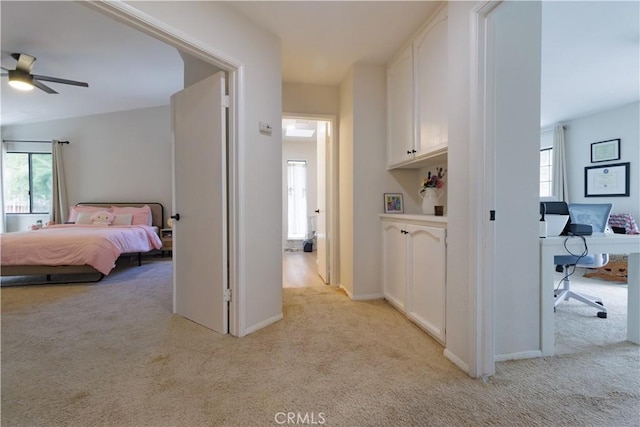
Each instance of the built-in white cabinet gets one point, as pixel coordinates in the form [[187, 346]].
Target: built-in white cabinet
[[400, 110], [431, 68], [417, 120], [414, 269]]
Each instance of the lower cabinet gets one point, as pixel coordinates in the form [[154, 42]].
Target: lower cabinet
[[414, 272]]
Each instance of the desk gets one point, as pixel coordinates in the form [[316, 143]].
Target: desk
[[608, 243]]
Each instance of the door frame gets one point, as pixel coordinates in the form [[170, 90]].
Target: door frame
[[331, 190], [482, 149], [234, 69]]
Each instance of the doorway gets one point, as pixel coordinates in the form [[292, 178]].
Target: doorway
[[306, 200]]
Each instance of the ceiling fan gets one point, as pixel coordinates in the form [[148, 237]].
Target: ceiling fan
[[21, 78]]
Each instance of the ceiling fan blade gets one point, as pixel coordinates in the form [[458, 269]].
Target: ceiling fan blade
[[43, 87], [25, 62], [57, 80]]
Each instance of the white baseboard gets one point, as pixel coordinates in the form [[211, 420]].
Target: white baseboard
[[456, 360], [346, 291], [367, 297], [360, 297], [519, 355], [263, 324]]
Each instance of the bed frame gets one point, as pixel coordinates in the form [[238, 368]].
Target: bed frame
[[157, 214]]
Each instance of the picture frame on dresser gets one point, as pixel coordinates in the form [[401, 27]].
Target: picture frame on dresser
[[393, 203]]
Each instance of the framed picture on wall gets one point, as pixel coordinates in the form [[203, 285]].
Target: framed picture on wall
[[393, 203], [607, 180], [605, 151]]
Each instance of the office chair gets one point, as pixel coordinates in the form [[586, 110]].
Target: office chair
[[583, 213]]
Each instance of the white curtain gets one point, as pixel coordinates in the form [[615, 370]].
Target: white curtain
[[559, 183], [297, 199], [2, 162], [59, 204]]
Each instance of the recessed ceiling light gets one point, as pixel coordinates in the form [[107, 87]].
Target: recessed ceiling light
[[301, 133]]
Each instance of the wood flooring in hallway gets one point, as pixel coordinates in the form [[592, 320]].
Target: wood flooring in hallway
[[299, 270]]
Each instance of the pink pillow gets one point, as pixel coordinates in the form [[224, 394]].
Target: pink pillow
[[141, 216], [75, 210]]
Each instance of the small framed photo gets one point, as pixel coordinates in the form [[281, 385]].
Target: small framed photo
[[605, 151], [607, 180], [393, 203]]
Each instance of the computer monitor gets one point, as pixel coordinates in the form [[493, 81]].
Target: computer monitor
[[595, 214]]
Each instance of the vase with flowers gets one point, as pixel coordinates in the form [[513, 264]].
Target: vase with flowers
[[431, 190]]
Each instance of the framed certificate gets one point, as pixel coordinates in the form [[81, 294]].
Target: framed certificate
[[605, 151], [607, 180]]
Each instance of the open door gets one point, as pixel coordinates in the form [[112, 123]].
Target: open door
[[200, 279], [321, 220]]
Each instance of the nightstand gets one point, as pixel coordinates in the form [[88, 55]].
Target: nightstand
[[166, 235]]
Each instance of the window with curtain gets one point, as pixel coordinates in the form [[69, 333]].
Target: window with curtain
[[27, 182], [297, 199], [546, 172]]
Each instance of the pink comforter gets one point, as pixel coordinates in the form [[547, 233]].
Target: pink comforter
[[74, 244]]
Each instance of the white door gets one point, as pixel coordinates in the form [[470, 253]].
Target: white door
[[199, 197], [394, 264], [427, 281], [400, 138], [321, 211]]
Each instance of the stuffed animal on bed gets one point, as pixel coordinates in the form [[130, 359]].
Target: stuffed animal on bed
[[102, 218]]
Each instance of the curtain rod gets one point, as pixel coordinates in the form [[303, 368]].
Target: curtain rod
[[26, 140]]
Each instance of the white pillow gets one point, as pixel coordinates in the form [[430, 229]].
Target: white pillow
[[123, 219], [84, 218]]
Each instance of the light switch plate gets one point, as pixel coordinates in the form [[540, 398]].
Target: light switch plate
[[266, 128]]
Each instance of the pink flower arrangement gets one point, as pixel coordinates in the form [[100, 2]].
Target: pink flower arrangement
[[433, 180]]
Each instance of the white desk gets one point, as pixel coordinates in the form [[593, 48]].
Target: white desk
[[609, 243]]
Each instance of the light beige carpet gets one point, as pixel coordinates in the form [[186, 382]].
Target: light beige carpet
[[112, 354]]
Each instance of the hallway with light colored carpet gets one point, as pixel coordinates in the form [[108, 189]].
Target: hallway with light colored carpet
[[112, 354]]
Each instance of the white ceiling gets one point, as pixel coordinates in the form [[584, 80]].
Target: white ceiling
[[590, 53]]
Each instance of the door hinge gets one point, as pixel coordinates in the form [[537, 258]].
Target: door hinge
[[227, 295], [226, 102], [492, 215]]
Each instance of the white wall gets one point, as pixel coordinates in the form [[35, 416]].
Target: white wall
[[460, 182], [346, 177], [516, 28], [219, 28], [299, 150], [123, 156], [302, 98], [619, 123]]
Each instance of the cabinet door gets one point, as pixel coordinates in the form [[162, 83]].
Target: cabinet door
[[394, 264], [400, 129], [431, 65], [426, 282]]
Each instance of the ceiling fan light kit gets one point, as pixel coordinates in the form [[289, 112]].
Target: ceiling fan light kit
[[22, 79]]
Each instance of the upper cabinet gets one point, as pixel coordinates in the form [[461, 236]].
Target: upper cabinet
[[417, 127], [400, 112]]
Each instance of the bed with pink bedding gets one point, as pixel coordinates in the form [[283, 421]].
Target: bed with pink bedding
[[79, 248]]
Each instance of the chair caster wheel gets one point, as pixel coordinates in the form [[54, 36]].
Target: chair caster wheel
[[602, 314]]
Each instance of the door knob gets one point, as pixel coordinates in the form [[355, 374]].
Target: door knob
[[176, 217]]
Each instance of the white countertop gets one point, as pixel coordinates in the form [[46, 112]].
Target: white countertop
[[409, 217]]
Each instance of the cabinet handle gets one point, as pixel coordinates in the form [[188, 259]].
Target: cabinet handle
[[414, 151], [176, 217], [408, 151]]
